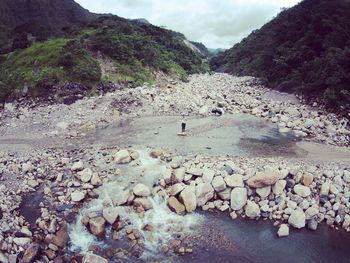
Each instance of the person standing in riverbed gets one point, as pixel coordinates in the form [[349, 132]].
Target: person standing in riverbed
[[183, 123]]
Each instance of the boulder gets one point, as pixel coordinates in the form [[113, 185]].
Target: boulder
[[338, 180], [265, 178], [134, 155], [204, 192], [309, 123], [252, 210], [97, 226], [218, 183], [195, 171], [217, 111], [92, 258], [61, 238], [145, 203], [110, 214], [284, 130], [175, 189], [293, 112], [96, 180], [33, 183], [77, 166], [279, 187], [176, 206], [167, 176], [26, 232], [325, 188], [21, 241], [228, 169], [120, 198], [238, 198], [179, 174], [226, 194], [312, 224], [85, 175], [334, 189], [346, 222], [311, 212], [208, 175], [31, 253], [235, 180], [283, 230], [264, 191], [27, 168], [141, 190], [297, 219], [307, 179], [346, 176], [77, 196], [156, 153], [189, 199], [122, 157], [302, 190]]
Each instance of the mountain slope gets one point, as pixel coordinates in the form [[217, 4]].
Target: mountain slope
[[306, 49], [41, 18], [133, 51]]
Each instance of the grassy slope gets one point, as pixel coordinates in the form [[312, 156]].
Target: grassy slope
[[44, 65], [136, 50], [306, 49]]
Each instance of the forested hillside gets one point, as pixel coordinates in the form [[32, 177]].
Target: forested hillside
[[305, 49], [39, 18], [134, 50]]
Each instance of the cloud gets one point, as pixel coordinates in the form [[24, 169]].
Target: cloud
[[216, 23]]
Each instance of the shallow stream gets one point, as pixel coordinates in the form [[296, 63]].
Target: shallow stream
[[238, 134]]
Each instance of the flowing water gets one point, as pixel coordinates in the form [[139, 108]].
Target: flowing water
[[166, 225], [251, 241]]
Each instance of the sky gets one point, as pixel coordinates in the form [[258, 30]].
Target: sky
[[216, 23]]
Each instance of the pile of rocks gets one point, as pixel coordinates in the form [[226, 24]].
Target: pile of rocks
[[19, 239], [222, 92], [294, 194], [204, 94], [290, 193]]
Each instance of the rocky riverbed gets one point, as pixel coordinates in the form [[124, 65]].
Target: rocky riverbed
[[68, 197]]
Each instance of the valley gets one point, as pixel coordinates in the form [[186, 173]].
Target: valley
[[115, 183], [126, 141]]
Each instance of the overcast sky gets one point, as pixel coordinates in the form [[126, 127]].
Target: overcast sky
[[216, 23]]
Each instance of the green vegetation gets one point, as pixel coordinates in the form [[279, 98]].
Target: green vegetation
[[41, 19], [45, 65], [143, 44], [306, 49], [136, 49], [133, 72]]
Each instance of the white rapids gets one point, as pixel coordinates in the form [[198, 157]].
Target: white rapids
[[166, 224]]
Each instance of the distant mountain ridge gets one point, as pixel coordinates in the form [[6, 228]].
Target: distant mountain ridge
[[305, 49]]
